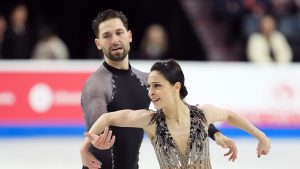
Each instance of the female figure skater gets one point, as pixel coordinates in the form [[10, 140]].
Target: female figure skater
[[177, 130]]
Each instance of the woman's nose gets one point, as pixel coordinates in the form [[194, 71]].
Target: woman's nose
[[151, 92]]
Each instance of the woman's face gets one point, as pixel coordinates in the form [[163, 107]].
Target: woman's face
[[161, 92]]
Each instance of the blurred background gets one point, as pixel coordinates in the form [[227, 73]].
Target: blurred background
[[216, 30], [238, 54]]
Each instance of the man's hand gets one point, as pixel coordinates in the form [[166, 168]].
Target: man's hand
[[88, 160], [226, 142], [103, 141]]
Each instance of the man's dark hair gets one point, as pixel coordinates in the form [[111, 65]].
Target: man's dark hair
[[106, 15]]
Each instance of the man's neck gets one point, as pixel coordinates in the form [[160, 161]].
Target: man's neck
[[123, 65]]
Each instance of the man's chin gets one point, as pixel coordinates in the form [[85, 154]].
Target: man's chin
[[117, 58]]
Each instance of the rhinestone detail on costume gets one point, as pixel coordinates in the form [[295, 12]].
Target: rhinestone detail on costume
[[197, 152]]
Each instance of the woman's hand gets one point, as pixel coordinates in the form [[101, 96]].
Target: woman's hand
[[264, 146], [103, 141], [226, 142]]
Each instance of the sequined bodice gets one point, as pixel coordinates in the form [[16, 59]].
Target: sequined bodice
[[197, 152]]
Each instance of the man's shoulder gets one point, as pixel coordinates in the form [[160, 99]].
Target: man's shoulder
[[139, 72], [99, 75], [98, 78]]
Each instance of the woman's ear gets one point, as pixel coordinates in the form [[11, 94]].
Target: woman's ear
[[177, 85]]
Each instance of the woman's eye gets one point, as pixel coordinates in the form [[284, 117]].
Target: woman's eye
[[156, 85]]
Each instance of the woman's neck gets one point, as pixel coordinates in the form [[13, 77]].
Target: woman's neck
[[176, 112]]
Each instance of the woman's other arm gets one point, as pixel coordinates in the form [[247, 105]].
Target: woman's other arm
[[214, 114]]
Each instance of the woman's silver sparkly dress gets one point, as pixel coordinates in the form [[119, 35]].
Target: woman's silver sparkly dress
[[197, 152]]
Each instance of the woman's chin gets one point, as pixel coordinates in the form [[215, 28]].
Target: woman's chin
[[157, 107]]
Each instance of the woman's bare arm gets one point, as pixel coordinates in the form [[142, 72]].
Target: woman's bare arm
[[214, 114], [122, 118]]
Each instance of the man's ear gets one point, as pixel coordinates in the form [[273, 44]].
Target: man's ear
[[98, 44], [130, 35]]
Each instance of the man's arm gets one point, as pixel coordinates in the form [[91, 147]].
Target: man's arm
[[93, 104]]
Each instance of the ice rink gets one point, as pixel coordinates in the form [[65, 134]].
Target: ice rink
[[63, 153]]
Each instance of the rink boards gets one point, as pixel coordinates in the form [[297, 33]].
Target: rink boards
[[43, 97]]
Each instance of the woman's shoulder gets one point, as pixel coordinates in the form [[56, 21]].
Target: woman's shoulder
[[205, 107], [157, 115], [151, 127], [201, 111]]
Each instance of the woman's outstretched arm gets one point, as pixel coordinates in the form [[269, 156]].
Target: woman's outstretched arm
[[122, 118], [214, 114]]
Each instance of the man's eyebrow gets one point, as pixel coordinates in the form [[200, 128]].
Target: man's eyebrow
[[119, 29], [104, 33]]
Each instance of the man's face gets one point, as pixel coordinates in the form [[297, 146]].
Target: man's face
[[114, 39]]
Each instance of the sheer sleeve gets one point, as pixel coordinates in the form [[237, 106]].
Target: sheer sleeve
[[95, 96]]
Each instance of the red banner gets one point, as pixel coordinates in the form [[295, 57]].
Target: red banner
[[41, 98]]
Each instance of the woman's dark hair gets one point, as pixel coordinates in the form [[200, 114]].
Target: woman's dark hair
[[171, 71], [106, 15]]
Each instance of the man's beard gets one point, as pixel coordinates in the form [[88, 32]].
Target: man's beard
[[117, 57]]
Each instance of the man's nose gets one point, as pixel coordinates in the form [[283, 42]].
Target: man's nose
[[115, 38]]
